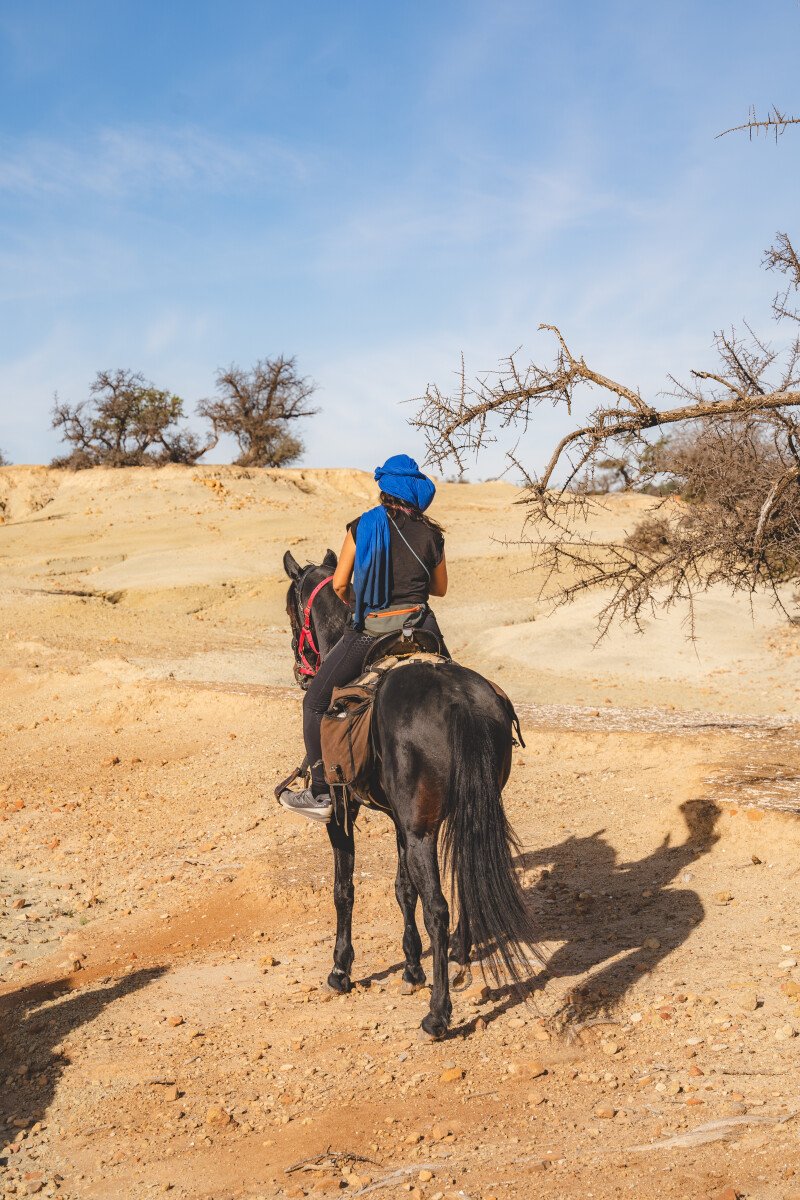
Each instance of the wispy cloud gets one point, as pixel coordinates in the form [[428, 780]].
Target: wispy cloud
[[516, 209], [114, 161]]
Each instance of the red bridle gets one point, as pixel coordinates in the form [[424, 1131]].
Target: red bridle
[[304, 667]]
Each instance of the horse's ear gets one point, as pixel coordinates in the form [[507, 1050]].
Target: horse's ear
[[330, 559], [290, 565]]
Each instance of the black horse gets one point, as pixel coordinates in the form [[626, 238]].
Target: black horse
[[443, 739]]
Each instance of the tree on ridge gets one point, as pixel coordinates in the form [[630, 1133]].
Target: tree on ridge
[[260, 408], [126, 422]]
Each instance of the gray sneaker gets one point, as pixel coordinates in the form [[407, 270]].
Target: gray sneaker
[[317, 808]]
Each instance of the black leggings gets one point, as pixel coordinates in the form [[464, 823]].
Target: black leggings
[[340, 666]]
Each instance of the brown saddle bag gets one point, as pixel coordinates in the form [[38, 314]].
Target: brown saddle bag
[[346, 738]]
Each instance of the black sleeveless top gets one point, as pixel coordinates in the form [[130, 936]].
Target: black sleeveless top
[[408, 581]]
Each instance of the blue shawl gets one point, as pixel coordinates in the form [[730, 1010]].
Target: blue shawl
[[399, 477]]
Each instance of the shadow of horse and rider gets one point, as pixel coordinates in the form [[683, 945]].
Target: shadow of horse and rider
[[612, 920]]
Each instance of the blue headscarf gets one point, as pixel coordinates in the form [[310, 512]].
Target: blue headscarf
[[401, 478]]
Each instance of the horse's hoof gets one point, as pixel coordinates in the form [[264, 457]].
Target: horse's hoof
[[434, 1027], [407, 988], [460, 976], [339, 983], [414, 975]]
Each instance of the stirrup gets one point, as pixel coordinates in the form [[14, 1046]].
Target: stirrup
[[301, 772]]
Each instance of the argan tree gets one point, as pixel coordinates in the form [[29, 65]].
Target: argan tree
[[733, 462], [260, 408], [126, 422], [3, 460]]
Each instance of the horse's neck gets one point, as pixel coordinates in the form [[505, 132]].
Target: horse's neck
[[331, 625]]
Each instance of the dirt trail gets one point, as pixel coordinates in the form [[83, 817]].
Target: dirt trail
[[165, 929]]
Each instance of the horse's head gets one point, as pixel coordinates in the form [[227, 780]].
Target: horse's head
[[326, 617]]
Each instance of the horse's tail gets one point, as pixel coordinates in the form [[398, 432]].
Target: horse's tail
[[478, 842]]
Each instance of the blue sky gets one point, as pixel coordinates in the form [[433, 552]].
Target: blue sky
[[375, 188]]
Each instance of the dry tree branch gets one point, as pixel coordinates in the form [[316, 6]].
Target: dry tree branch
[[729, 446], [775, 122]]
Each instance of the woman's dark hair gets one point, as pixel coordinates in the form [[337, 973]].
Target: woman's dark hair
[[411, 510]]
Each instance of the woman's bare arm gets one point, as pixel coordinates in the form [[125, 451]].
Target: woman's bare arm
[[344, 570], [438, 583]]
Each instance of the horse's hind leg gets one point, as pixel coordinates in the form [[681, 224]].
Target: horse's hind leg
[[344, 857], [407, 896], [460, 950], [423, 869]]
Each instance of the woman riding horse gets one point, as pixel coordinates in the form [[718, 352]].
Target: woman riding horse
[[394, 556]]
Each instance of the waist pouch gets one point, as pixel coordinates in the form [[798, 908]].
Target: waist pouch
[[392, 620]]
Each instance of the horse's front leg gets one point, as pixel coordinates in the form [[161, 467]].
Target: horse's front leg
[[344, 857], [407, 897], [423, 869]]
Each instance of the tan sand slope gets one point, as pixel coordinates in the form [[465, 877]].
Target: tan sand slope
[[205, 545]]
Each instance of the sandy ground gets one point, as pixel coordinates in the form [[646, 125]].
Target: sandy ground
[[165, 929]]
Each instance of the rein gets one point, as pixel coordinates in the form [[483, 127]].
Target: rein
[[304, 667]]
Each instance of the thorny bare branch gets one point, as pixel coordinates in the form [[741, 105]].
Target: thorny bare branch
[[775, 122], [725, 461]]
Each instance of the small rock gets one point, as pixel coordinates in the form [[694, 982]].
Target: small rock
[[748, 1001], [605, 1112], [425, 1176], [723, 898], [452, 1075], [175, 1021], [729, 1193], [217, 1116], [652, 943]]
